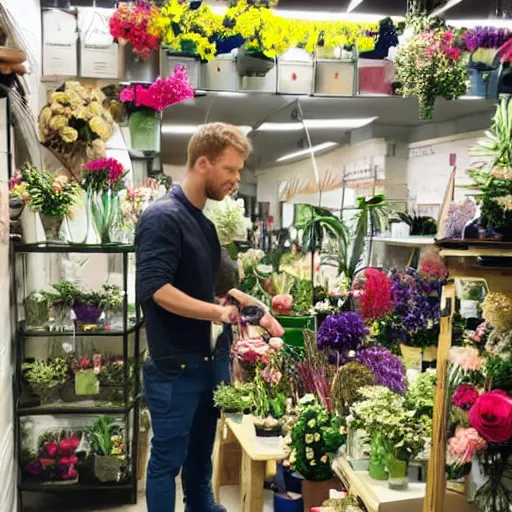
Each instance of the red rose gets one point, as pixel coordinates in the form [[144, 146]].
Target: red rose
[[51, 448], [465, 396], [491, 416], [282, 304]]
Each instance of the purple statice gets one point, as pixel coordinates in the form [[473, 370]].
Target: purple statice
[[387, 369], [459, 214], [486, 37], [341, 333]]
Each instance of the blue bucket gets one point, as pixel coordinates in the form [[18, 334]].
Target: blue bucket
[[288, 503]]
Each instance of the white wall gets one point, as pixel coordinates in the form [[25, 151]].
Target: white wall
[[28, 14], [428, 167]]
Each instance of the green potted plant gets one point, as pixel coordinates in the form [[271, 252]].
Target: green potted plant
[[36, 311], [46, 377], [112, 305], [111, 379], [86, 370], [61, 299], [234, 399], [106, 441], [88, 307], [315, 439]]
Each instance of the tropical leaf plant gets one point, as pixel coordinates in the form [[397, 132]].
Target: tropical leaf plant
[[419, 224]]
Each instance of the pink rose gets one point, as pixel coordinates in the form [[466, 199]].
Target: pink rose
[[467, 358], [282, 304], [51, 448], [276, 343], [491, 416], [465, 396]]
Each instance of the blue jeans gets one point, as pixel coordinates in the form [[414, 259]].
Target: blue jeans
[[184, 422]]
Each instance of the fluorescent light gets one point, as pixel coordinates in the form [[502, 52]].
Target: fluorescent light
[[231, 94], [342, 124], [353, 4], [489, 22], [190, 129], [308, 151], [445, 7]]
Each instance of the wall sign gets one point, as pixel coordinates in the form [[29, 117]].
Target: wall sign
[[421, 151]]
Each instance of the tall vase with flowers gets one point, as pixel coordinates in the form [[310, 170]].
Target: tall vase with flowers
[[102, 181], [135, 26], [430, 65], [51, 195], [145, 105]]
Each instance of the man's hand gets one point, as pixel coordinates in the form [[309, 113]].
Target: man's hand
[[230, 315]]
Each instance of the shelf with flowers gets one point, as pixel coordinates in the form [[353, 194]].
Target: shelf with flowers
[[93, 455]]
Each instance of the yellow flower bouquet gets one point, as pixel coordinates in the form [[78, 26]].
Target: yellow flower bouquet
[[75, 125]]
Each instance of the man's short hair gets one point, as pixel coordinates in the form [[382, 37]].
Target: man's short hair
[[227, 277], [210, 140]]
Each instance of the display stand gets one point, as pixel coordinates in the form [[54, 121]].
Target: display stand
[[463, 261], [127, 394]]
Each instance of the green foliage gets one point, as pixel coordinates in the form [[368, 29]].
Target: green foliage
[[420, 225], [49, 194], [65, 293], [315, 439], [44, 376], [234, 398], [112, 300], [421, 394], [302, 293], [499, 372], [100, 435]]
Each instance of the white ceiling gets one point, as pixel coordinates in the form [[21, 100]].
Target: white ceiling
[[254, 109]]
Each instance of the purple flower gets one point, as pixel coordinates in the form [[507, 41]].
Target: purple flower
[[486, 37], [341, 333], [459, 214], [387, 369]]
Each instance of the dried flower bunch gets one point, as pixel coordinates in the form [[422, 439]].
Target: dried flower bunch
[[497, 310], [75, 123]]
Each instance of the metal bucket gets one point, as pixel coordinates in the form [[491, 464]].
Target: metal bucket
[[134, 69]]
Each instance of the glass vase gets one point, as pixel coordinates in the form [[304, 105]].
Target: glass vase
[[62, 320], [36, 312], [105, 209], [378, 457], [51, 225], [144, 125], [398, 474]]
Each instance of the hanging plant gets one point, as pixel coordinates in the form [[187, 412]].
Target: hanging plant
[[430, 66]]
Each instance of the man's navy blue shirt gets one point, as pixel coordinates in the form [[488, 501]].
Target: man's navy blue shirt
[[176, 244]]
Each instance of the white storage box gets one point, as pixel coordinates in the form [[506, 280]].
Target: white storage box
[[169, 60], [219, 74], [295, 72], [267, 83], [335, 76]]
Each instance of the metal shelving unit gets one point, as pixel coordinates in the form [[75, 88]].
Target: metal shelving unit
[[128, 408]]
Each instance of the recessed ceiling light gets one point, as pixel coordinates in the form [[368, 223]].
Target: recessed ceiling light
[[190, 129], [346, 124], [307, 151]]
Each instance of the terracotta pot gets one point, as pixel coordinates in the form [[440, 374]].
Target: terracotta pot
[[315, 493]]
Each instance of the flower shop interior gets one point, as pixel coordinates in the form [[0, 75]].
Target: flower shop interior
[[373, 220]]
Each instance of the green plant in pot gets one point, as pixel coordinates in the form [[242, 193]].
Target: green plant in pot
[[36, 311], [112, 305], [86, 370], [45, 377], [106, 441], [61, 299], [111, 379], [88, 307], [234, 399]]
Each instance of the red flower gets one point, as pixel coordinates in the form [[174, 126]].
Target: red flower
[[51, 448], [46, 463], [73, 459], [465, 396], [491, 416], [375, 302], [282, 304], [64, 461]]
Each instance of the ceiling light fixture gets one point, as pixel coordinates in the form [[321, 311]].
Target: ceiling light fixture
[[342, 124], [190, 129], [448, 5], [354, 4], [308, 151]]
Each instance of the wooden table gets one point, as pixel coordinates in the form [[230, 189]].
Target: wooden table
[[241, 458]]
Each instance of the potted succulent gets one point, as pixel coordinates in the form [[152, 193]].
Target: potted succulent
[[46, 377], [106, 441], [36, 311], [234, 399]]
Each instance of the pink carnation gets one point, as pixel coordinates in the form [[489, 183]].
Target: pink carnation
[[464, 445], [465, 396], [276, 343], [251, 350], [467, 358]]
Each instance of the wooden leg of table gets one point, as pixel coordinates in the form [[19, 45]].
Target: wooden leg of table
[[253, 480], [218, 452], [227, 456]]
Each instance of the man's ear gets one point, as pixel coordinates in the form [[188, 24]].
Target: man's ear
[[202, 164]]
